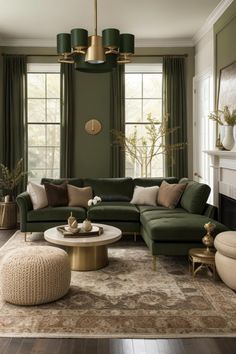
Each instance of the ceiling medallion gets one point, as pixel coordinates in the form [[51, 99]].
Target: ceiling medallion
[[95, 53]]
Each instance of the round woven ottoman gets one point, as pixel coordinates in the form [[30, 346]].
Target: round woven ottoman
[[225, 258], [35, 275]]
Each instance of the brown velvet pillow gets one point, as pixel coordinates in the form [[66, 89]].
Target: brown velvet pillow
[[170, 194], [56, 194], [79, 196]]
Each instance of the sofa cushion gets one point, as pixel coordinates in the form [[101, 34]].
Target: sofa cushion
[[111, 189], [79, 196], [151, 181], [145, 195], [195, 196], [56, 214], [38, 195], [74, 181], [170, 194], [178, 227], [117, 211], [56, 194]]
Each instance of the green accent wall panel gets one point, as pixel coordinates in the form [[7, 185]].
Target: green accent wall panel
[[91, 156], [225, 44]]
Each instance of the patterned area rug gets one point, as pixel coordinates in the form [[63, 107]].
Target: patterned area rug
[[127, 299]]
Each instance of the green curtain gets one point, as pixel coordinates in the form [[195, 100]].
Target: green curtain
[[67, 108], [117, 120], [14, 111], [174, 103]]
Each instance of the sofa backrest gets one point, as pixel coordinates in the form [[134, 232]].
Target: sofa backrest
[[153, 181], [195, 196], [77, 182], [111, 189]]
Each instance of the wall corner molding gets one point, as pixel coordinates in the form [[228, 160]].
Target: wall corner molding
[[210, 21]]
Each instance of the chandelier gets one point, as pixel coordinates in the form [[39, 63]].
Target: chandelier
[[95, 53]]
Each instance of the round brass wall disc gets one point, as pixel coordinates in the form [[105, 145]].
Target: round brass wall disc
[[93, 126]]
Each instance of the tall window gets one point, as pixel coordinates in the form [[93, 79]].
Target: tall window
[[43, 121], [143, 99]]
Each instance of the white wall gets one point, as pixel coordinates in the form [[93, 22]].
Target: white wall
[[204, 54], [203, 103]]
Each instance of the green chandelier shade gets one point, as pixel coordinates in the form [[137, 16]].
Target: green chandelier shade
[[95, 53], [63, 43], [79, 38], [82, 65], [111, 38], [127, 43]]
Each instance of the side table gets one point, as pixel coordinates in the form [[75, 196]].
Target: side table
[[8, 215], [199, 258]]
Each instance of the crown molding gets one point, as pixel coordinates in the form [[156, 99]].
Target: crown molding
[[144, 42], [27, 42], [211, 20], [168, 42]]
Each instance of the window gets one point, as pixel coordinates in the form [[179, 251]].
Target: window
[[143, 98], [43, 121]]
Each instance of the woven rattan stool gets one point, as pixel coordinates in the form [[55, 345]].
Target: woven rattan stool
[[34, 275]]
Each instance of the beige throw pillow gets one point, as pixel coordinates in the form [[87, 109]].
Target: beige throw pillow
[[170, 194], [145, 195], [37, 195], [79, 196]]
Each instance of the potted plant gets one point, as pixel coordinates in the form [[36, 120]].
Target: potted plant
[[226, 119], [10, 179], [142, 150]]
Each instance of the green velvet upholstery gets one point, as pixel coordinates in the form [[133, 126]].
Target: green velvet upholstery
[[60, 213], [195, 196], [114, 211], [185, 227], [151, 181], [111, 189], [165, 231], [77, 182]]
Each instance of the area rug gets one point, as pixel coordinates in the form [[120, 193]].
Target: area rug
[[127, 299]]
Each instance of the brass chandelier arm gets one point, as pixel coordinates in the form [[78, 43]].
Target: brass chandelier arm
[[96, 17]]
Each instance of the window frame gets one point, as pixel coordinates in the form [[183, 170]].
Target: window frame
[[42, 68], [143, 69]]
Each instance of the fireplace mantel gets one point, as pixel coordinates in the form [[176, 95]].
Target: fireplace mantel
[[224, 165]]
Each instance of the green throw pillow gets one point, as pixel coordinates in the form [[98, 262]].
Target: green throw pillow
[[195, 196]]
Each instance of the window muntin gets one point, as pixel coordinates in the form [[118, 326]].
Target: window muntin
[[143, 95], [43, 122]]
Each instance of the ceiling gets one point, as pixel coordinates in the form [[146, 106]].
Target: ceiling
[[36, 22]]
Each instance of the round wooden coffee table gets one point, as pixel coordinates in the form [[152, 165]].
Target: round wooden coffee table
[[86, 253]]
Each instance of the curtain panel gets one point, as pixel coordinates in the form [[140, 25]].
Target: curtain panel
[[174, 104], [67, 111], [14, 111], [117, 120]]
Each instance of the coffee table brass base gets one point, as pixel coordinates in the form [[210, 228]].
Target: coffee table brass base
[[88, 258]]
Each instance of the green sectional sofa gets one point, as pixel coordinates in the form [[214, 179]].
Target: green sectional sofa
[[165, 231]]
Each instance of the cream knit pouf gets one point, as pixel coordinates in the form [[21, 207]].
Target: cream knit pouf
[[34, 275]]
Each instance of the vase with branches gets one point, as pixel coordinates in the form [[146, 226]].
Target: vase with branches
[[152, 143], [10, 179]]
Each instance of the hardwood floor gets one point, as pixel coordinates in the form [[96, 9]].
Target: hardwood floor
[[113, 346]]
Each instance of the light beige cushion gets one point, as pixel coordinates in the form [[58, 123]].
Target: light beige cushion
[[225, 243], [170, 194], [226, 269], [145, 195], [37, 195], [79, 196]]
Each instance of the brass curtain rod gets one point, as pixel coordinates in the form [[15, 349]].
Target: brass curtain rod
[[135, 55]]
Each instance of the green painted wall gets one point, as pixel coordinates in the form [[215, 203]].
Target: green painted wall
[[92, 100], [1, 109], [91, 154], [224, 37]]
